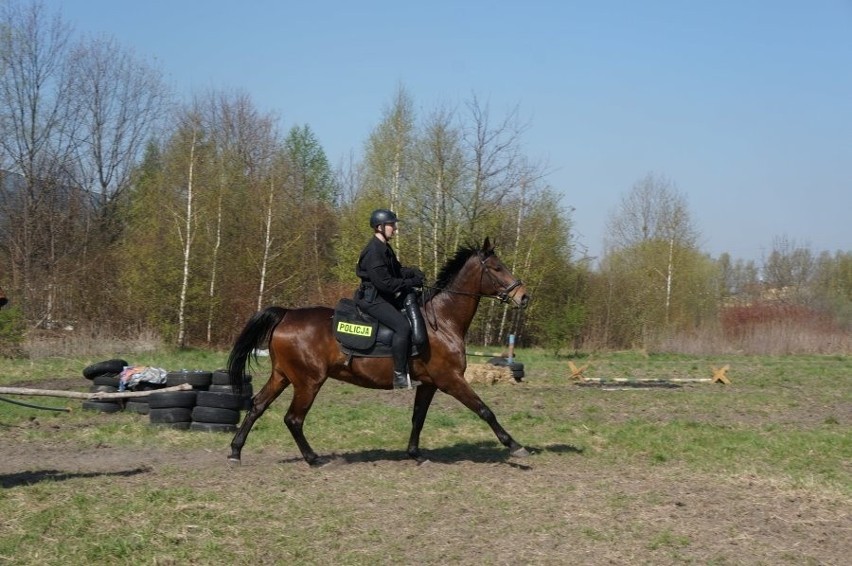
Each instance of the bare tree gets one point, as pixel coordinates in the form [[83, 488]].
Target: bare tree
[[120, 98], [37, 129], [650, 239], [654, 211], [494, 162], [789, 267], [439, 167]]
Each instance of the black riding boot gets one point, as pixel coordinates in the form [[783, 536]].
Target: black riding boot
[[401, 380]]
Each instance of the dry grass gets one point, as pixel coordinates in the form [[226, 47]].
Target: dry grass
[[771, 339], [487, 374], [94, 341]]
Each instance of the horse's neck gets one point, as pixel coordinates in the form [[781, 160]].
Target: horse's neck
[[459, 301]]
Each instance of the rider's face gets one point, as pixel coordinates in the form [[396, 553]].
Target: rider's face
[[389, 229]]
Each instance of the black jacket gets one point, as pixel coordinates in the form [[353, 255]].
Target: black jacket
[[378, 267]]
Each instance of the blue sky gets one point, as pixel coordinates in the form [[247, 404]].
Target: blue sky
[[746, 106]]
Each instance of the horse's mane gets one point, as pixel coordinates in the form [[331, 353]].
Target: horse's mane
[[450, 269]]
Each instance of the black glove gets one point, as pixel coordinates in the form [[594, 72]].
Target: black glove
[[415, 281], [411, 272]]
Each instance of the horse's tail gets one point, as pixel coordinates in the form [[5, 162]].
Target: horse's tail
[[256, 334]]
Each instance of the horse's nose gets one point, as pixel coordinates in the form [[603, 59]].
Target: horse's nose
[[524, 300]]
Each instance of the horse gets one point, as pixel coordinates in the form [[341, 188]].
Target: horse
[[3, 299], [304, 352]]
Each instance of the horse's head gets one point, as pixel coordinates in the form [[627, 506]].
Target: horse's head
[[497, 280]]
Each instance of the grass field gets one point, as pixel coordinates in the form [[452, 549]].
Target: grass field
[[756, 472]]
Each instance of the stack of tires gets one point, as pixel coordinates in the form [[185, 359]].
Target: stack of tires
[[516, 367], [173, 409], [105, 379], [221, 383], [216, 412], [210, 405]]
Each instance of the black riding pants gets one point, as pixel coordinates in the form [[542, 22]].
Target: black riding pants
[[391, 317]]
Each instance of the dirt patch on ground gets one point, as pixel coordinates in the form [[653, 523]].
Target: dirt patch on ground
[[554, 507]]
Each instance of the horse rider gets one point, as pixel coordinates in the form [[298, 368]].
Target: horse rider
[[384, 285]]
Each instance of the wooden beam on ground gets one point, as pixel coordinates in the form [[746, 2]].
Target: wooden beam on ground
[[488, 355], [88, 396], [641, 379]]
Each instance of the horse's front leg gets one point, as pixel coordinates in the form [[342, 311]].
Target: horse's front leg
[[422, 400], [462, 391]]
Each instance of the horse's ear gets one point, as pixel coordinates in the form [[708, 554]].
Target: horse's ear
[[487, 248]]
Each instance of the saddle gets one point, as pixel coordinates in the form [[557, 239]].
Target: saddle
[[360, 334]]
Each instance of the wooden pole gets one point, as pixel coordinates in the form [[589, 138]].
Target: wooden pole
[[91, 396]]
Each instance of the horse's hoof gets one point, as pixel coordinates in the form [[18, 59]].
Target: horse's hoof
[[234, 462], [520, 452]]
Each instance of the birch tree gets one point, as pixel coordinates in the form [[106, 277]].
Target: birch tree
[[388, 159], [650, 243]]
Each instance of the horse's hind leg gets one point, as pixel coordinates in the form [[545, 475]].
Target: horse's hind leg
[[273, 388]]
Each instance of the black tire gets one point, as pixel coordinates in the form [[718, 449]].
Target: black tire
[[218, 400], [517, 370], [115, 366], [197, 378], [182, 425], [170, 415], [109, 379], [215, 415], [137, 407], [220, 377], [172, 399], [212, 427], [498, 362], [101, 406]]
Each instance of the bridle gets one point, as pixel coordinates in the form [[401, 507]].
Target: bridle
[[502, 296]]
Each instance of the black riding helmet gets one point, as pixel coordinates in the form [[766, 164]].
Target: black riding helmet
[[382, 216]]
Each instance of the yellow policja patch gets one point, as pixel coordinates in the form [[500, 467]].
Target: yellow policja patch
[[356, 329]]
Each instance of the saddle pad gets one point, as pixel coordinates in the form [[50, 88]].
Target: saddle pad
[[350, 328]]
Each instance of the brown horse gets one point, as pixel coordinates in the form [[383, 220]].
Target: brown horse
[[304, 352], [3, 299]]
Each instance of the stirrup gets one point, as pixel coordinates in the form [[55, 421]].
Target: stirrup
[[402, 380]]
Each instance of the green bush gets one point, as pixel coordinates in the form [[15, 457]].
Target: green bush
[[11, 332]]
